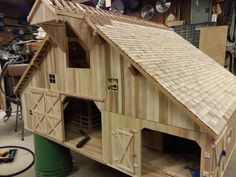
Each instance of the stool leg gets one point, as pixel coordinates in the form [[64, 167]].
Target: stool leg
[[231, 63], [23, 130], [17, 114], [23, 133]]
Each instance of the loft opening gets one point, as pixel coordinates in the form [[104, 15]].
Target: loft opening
[[169, 154], [82, 120], [77, 53]]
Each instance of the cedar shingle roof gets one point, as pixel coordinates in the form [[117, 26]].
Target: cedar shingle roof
[[197, 81], [201, 86]]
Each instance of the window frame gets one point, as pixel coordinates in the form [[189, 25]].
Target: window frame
[[52, 78]]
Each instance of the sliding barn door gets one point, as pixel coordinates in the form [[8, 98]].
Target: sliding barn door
[[45, 114]]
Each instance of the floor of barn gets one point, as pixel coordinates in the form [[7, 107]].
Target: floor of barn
[[84, 167]]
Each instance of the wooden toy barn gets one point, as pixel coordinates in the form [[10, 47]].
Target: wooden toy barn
[[152, 104]]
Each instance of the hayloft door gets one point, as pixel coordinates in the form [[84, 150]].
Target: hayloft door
[[45, 113], [123, 151]]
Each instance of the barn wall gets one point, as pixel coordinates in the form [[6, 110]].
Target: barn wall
[[87, 82], [226, 142], [138, 97], [41, 14], [216, 154], [113, 122]]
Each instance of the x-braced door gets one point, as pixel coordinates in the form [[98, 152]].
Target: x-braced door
[[46, 114], [123, 151], [36, 111], [53, 115]]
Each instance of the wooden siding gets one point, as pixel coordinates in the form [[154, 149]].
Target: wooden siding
[[226, 142], [88, 83], [41, 14], [137, 97]]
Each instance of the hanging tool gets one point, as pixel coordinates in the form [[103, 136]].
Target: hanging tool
[[163, 6], [7, 156], [147, 12], [12, 157]]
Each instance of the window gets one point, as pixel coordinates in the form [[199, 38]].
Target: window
[[112, 84], [52, 78], [30, 112], [78, 56]]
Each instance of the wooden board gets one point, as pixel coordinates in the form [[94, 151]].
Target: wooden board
[[213, 42]]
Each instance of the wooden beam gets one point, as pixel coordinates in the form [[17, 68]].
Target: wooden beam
[[58, 4], [72, 95], [172, 130]]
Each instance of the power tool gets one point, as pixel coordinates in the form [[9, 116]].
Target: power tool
[[7, 156]]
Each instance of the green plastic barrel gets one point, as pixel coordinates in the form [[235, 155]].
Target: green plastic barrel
[[51, 159]]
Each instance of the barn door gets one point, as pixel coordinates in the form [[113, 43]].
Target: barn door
[[45, 114], [53, 115], [37, 110], [123, 151]]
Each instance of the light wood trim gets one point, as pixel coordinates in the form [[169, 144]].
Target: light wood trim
[[69, 94], [172, 130], [69, 14], [58, 4], [30, 65]]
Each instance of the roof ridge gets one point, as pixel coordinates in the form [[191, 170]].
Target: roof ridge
[[99, 14], [120, 17]]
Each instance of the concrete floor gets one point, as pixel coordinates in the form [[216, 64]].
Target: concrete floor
[[84, 167]]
